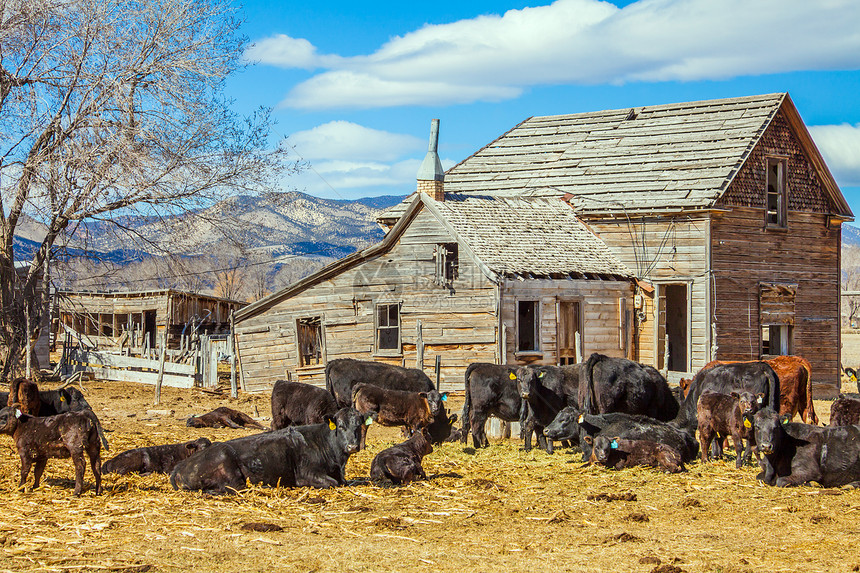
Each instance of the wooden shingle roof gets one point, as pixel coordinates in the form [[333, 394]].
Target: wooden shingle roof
[[651, 159], [526, 237]]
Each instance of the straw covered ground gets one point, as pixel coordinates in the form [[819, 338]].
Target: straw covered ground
[[495, 509]]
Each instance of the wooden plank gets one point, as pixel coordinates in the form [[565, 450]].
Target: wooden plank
[[119, 361]]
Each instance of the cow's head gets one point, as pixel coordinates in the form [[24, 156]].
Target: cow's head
[[529, 379], [769, 433], [73, 400], [194, 422], [9, 418], [442, 427], [565, 426], [346, 425], [435, 401], [601, 448], [748, 403], [197, 445]]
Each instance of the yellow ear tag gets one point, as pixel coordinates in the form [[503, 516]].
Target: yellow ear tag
[[331, 425], [513, 376], [747, 424], [62, 399]]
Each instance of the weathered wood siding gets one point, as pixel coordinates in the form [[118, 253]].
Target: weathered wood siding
[[665, 250], [459, 325], [599, 304]]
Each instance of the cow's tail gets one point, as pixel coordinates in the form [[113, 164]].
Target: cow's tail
[[95, 420], [809, 408], [773, 388], [467, 405], [328, 380], [589, 405]]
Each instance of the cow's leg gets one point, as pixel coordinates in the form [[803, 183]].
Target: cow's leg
[[38, 471], [320, 481], [705, 437], [80, 468], [25, 471], [477, 419], [741, 453], [96, 466], [230, 423], [363, 442]]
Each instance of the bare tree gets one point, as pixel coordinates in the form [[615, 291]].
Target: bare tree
[[110, 109]]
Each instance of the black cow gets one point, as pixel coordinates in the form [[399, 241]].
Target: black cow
[[621, 385], [54, 402], [491, 390], [755, 377], [314, 455], [546, 390], [802, 453], [299, 404], [153, 459], [402, 463], [343, 374], [570, 424]]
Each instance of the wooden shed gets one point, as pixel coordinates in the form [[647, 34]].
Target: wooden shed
[[470, 279], [724, 210], [136, 320]]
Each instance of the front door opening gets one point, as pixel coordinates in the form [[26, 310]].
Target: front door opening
[[676, 327], [568, 328]]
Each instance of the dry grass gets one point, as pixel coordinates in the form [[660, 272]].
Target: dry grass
[[495, 509]]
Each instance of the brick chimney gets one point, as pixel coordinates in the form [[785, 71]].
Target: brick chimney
[[431, 178]]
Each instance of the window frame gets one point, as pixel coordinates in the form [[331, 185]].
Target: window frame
[[535, 326], [788, 338], [781, 192], [378, 350], [320, 329], [447, 258]]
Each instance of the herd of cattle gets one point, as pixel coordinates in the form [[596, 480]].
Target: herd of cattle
[[618, 412]]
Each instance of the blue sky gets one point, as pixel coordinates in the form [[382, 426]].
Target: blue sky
[[355, 85]]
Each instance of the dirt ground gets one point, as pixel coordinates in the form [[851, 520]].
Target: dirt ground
[[490, 510]]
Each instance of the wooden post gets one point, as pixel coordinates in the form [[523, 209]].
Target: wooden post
[[419, 346], [161, 368], [29, 338], [438, 372], [234, 391], [577, 342]]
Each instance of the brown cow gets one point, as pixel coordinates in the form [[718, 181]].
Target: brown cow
[[223, 417], [795, 385], [402, 463], [723, 415], [620, 453], [845, 411], [24, 394], [412, 410], [62, 436]]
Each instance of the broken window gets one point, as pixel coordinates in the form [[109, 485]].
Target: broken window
[[310, 340], [776, 207], [775, 340], [447, 263], [777, 316], [528, 325], [388, 326]]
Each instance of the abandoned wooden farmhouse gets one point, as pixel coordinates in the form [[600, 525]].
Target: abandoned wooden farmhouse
[[675, 234]]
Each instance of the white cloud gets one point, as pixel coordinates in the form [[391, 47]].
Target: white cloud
[[840, 146], [577, 42], [344, 140]]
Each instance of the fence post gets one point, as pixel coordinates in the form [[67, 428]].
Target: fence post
[[161, 367], [438, 372], [419, 347]]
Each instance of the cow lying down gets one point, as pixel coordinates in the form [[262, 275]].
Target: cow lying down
[[402, 463], [223, 417], [571, 425], [800, 453], [619, 453], [153, 459], [313, 455]]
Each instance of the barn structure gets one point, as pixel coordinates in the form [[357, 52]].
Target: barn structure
[[724, 210], [468, 278], [137, 319]]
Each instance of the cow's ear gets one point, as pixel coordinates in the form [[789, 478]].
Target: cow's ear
[[423, 394], [735, 395], [588, 440], [542, 374], [452, 418], [760, 397], [332, 425]]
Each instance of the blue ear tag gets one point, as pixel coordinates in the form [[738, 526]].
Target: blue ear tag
[[614, 444], [368, 421], [444, 397]]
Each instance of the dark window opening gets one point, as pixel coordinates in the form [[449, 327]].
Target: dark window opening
[[528, 322], [775, 340], [388, 327], [776, 208], [309, 331], [447, 263]]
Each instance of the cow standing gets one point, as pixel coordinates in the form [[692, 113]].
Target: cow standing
[[343, 374], [722, 415], [546, 390], [621, 385], [491, 390], [412, 410], [299, 404], [69, 435]]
